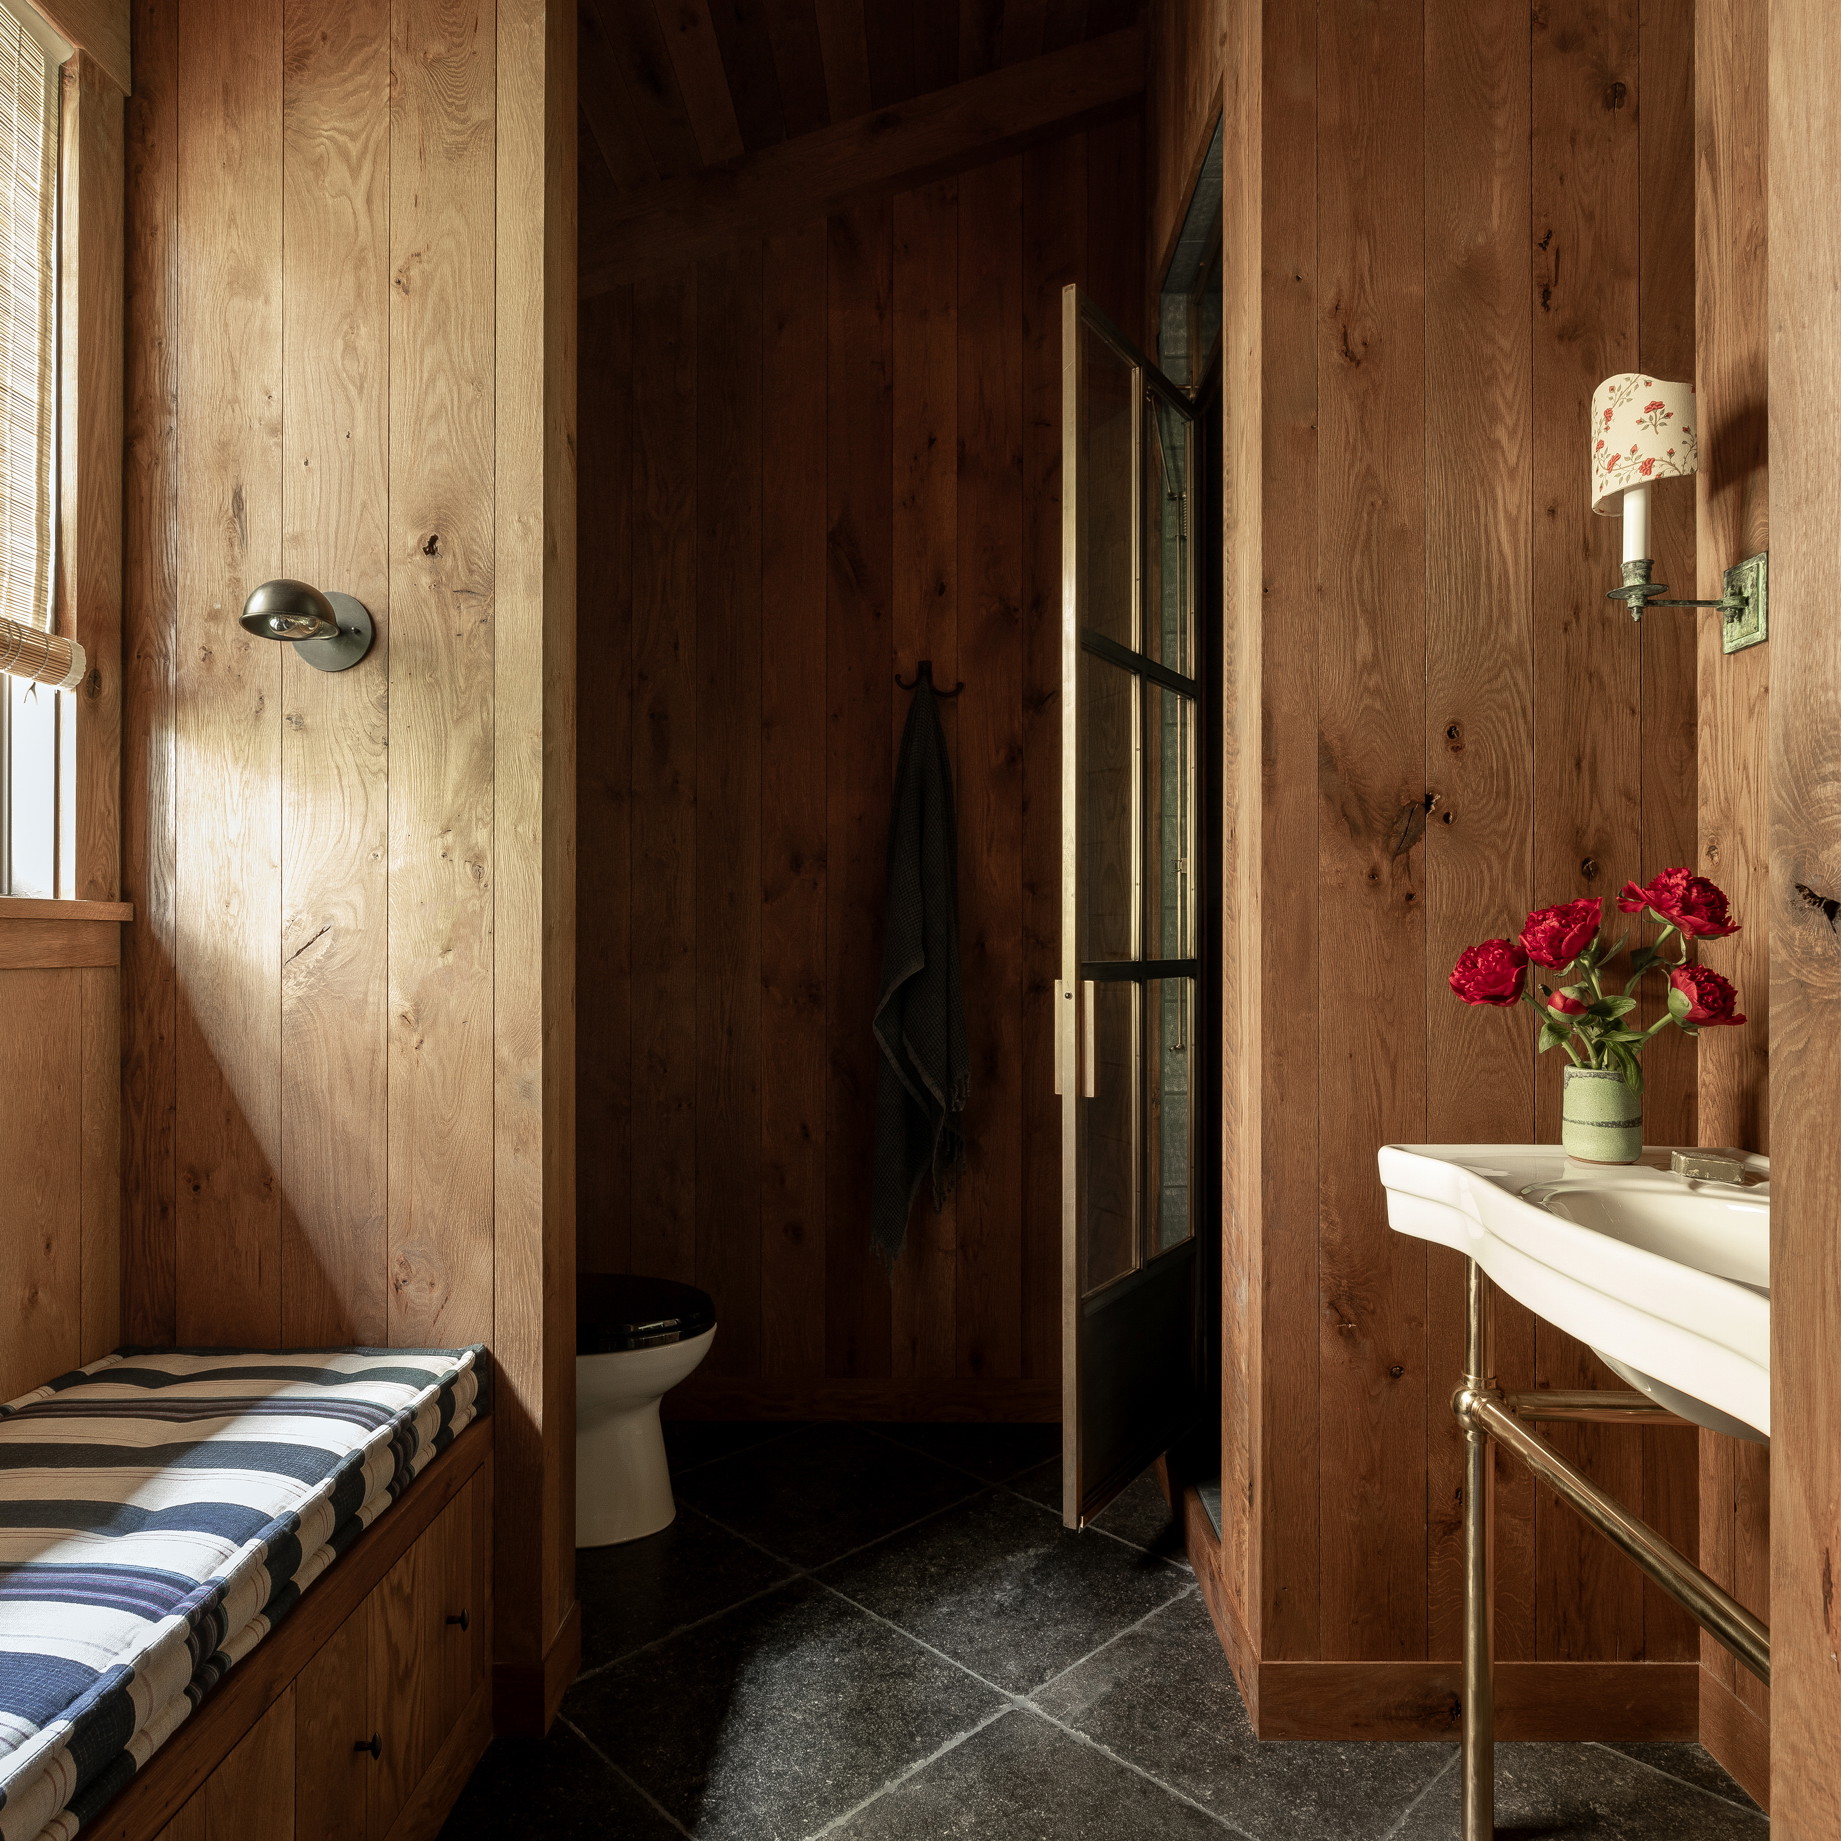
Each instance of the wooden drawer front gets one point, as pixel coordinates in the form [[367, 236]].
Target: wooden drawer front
[[332, 1719], [250, 1796], [427, 1640]]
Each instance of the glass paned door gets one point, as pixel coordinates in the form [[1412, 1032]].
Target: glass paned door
[[1126, 1003]]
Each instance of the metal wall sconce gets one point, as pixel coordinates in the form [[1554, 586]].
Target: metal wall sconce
[[1643, 430], [332, 632]]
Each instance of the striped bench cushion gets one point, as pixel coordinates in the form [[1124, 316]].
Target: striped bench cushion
[[160, 1512]]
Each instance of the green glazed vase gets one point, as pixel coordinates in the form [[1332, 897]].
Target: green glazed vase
[[1601, 1120]]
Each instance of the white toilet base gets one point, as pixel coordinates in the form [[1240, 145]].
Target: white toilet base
[[622, 1482]]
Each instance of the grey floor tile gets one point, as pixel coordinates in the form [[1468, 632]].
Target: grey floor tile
[[821, 1491], [1692, 1763], [1021, 1780], [1164, 1698], [639, 1591], [994, 1452], [1001, 1586], [1586, 1793], [690, 1442], [770, 1720], [1137, 1514], [553, 1790]]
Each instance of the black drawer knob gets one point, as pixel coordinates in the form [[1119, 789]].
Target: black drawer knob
[[462, 1619], [374, 1745]]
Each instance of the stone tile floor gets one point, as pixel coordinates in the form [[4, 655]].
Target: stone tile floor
[[884, 1634]]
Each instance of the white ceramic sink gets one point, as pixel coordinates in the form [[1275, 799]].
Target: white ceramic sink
[[1666, 1278]]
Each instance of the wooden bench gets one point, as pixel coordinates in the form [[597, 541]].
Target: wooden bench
[[362, 1715]]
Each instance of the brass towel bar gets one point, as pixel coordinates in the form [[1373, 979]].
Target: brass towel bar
[[1486, 1412]]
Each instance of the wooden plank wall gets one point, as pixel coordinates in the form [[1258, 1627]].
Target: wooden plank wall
[[1468, 214], [350, 285], [60, 1256], [806, 464], [1733, 491], [1805, 952]]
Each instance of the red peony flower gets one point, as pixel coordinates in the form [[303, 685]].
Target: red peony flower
[[1556, 936], [1687, 901], [1710, 997], [1562, 1005], [1491, 973]]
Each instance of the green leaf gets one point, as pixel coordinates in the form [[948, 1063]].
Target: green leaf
[[1552, 1035], [1614, 1006]]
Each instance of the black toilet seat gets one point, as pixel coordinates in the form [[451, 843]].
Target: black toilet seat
[[616, 1311]]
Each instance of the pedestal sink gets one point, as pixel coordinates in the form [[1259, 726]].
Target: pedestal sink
[[1665, 1277]]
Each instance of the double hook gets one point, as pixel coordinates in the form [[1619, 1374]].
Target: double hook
[[924, 675]]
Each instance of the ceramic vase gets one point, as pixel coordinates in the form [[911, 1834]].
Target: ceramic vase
[[1601, 1120]]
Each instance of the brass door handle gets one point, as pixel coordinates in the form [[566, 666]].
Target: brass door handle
[[1089, 1050]]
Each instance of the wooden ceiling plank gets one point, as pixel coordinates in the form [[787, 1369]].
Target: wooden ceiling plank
[[1064, 24], [680, 220], [690, 39], [981, 32], [745, 44], [936, 45], [649, 83], [799, 63], [1024, 21], [842, 34], [607, 110], [888, 32]]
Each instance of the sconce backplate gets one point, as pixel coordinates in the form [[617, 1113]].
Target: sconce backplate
[[354, 641], [1744, 617]]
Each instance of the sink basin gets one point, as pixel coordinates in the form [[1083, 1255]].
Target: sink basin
[[1666, 1278]]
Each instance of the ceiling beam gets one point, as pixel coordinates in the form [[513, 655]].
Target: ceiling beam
[[679, 220]]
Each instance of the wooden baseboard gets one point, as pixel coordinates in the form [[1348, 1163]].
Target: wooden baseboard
[[443, 1781], [156, 1794], [718, 1396], [1737, 1736], [526, 1697], [1422, 1700], [1204, 1549]]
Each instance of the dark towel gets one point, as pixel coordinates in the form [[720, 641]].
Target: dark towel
[[920, 1018]]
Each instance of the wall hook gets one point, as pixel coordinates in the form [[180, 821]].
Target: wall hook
[[924, 675]]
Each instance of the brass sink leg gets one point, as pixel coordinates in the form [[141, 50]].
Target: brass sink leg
[[1479, 1759]]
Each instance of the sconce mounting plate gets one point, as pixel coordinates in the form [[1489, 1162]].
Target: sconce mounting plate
[[1745, 604], [354, 641]]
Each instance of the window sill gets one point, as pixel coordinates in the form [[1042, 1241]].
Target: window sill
[[32, 907]]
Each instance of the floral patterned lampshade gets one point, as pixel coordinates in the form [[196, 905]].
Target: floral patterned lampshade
[[1642, 430]]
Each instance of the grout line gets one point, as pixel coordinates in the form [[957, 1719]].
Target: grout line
[[696, 1623], [1748, 1806], [1137, 1770], [631, 1782], [1188, 1591], [902, 1776], [1405, 1815]]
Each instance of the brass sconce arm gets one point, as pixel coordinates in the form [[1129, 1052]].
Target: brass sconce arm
[[1743, 606]]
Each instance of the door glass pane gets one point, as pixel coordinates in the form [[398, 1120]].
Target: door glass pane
[[1109, 1138], [1168, 435], [1108, 842], [1106, 465], [1169, 1015], [1169, 824]]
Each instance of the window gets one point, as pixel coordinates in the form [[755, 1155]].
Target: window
[[37, 715]]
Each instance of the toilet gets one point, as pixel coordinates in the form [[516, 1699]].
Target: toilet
[[635, 1340]]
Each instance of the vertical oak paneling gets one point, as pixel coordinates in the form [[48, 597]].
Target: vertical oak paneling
[[792, 803], [925, 282], [990, 756], [335, 771], [227, 715], [1371, 679], [440, 667]]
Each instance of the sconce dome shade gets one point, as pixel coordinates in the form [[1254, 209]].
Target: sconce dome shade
[[1643, 429], [330, 632], [290, 610]]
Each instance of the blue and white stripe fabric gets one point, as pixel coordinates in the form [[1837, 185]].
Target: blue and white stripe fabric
[[160, 1512]]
